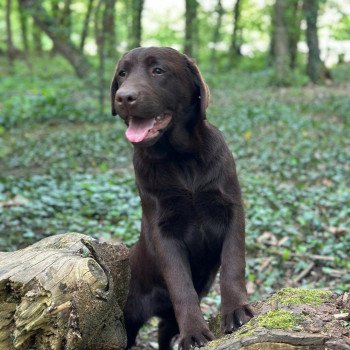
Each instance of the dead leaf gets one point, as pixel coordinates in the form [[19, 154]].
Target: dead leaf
[[336, 230], [16, 201], [251, 287], [268, 238]]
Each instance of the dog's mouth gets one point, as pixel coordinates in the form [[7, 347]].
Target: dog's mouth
[[142, 129]]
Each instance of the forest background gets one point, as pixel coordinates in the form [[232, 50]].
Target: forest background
[[279, 75]]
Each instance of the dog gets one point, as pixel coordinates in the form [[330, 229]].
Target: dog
[[192, 211]]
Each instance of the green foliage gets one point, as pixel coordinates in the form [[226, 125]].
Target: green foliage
[[49, 92], [103, 205], [342, 28], [291, 145]]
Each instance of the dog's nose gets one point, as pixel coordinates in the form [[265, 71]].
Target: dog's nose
[[126, 97]]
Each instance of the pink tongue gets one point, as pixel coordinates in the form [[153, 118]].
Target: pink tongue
[[138, 128]]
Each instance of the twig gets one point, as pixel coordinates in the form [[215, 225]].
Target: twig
[[306, 256], [304, 273]]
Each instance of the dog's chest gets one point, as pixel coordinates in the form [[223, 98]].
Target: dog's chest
[[196, 196]]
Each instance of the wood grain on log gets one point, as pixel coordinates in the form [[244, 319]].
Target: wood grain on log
[[64, 292]]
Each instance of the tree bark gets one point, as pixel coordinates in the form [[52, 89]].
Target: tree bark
[[85, 30], [37, 38], [315, 67], [110, 32], [65, 19], [216, 35], [280, 46], [23, 19], [66, 291], [100, 30], [191, 27], [9, 41], [51, 28], [294, 16], [135, 35], [236, 37]]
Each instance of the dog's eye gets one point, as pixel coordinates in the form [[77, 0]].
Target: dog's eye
[[122, 73], [158, 71]]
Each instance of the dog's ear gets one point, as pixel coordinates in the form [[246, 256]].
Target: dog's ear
[[114, 88], [203, 90]]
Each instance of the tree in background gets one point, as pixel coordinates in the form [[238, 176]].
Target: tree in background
[[315, 67], [280, 49], [191, 27], [294, 17], [9, 40], [110, 32], [105, 37], [85, 29], [33, 22], [216, 35], [135, 32], [63, 17], [37, 38], [23, 20], [58, 36], [236, 36]]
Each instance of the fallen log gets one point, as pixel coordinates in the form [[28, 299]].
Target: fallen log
[[291, 319], [64, 292]]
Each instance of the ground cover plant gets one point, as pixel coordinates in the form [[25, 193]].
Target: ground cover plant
[[65, 167]]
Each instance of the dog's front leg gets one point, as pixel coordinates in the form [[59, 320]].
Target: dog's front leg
[[176, 272], [234, 305]]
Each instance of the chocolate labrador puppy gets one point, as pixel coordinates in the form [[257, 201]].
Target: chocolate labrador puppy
[[192, 211]]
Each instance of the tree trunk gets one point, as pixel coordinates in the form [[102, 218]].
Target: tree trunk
[[65, 19], [136, 23], [191, 27], [315, 67], [236, 37], [66, 291], [9, 40], [110, 33], [294, 16], [100, 30], [23, 19], [55, 9], [52, 29], [37, 38], [280, 46], [216, 35], [291, 319], [85, 30]]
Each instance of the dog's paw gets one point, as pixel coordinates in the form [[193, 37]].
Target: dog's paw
[[196, 338], [233, 320]]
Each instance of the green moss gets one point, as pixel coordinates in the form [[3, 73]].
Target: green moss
[[215, 343], [277, 319], [215, 325], [293, 296]]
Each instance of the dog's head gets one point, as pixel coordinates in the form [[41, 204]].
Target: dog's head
[[157, 91]]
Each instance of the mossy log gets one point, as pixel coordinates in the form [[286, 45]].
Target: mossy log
[[292, 319], [64, 292]]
